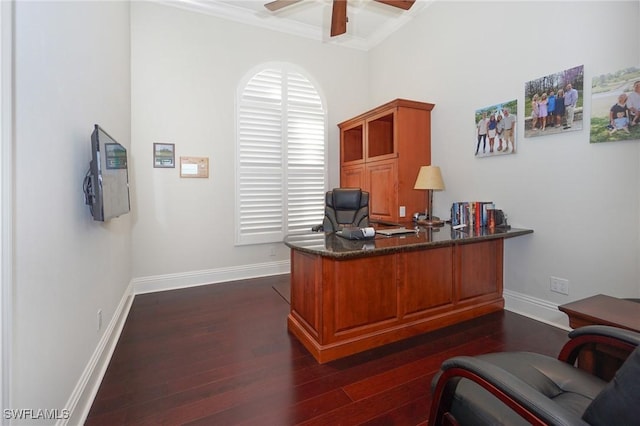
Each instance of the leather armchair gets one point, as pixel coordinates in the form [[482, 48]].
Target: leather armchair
[[513, 388], [345, 207]]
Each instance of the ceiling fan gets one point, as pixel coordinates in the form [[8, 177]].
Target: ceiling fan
[[339, 14]]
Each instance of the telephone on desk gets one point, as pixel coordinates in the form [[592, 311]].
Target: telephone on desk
[[356, 233]]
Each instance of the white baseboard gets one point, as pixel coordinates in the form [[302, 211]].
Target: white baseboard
[[156, 283], [82, 397], [534, 308]]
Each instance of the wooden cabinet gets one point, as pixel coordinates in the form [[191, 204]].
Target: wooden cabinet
[[382, 150]]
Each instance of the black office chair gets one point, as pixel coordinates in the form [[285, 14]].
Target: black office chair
[[522, 388], [345, 207]]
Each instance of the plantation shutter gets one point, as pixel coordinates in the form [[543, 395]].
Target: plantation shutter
[[281, 176]]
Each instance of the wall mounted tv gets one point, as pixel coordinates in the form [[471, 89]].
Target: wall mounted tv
[[106, 185]]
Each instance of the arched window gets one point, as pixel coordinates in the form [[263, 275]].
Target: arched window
[[280, 155]]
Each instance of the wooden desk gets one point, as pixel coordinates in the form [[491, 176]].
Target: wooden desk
[[603, 361], [603, 310], [349, 296]]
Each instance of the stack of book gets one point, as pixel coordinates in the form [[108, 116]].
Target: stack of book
[[471, 213]]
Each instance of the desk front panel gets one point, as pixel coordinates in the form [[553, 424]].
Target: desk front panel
[[341, 306], [479, 269], [425, 281], [360, 295]]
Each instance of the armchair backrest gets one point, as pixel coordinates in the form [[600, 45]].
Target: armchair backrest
[[345, 207]]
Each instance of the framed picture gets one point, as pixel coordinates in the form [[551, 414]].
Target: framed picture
[[553, 103], [164, 155], [496, 129], [615, 106]]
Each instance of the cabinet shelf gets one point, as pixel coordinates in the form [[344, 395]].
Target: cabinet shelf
[[352, 144], [380, 139]]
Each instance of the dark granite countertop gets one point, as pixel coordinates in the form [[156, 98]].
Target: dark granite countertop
[[334, 246]]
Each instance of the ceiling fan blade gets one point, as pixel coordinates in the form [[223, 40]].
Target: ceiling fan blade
[[402, 4], [279, 4], [339, 17]]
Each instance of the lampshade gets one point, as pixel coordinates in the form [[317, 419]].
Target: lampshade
[[429, 177]]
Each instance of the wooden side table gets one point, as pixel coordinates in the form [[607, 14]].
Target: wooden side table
[[603, 310]]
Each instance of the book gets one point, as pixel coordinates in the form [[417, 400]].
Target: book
[[471, 213]]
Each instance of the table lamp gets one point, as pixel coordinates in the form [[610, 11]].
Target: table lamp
[[430, 178]]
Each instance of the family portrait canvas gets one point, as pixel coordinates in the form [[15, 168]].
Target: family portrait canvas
[[496, 129], [553, 103], [615, 106]]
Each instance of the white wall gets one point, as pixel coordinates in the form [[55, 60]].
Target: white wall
[[71, 71], [582, 200], [186, 68], [460, 56]]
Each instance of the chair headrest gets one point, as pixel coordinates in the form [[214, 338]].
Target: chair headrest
[[346, 198]]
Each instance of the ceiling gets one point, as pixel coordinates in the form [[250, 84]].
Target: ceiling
[[369, 22]]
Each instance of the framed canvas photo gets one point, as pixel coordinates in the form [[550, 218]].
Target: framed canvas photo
[[164, 155], [496, 129], [615, 106], [553, 103]]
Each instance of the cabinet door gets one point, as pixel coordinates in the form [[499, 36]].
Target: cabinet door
[[353, 177], [383, 191]]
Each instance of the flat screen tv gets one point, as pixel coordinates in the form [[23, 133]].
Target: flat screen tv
[[106, 185]]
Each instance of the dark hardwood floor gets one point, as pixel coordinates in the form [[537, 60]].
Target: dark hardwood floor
[[221, 355]]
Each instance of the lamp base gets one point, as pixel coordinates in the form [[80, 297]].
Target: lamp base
[[431, 223]]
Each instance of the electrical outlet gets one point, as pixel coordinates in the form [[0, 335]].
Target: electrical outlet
[[99, 319], [559, 285], [403, 211], [272, 251]]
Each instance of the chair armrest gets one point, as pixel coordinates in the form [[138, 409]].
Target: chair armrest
[[603, 334], [628, 336], [533, 406]]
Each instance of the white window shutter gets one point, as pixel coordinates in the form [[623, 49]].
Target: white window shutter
[[281, 178], [305, 154]]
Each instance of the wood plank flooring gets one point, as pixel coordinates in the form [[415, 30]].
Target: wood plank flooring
[[221, 355]]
